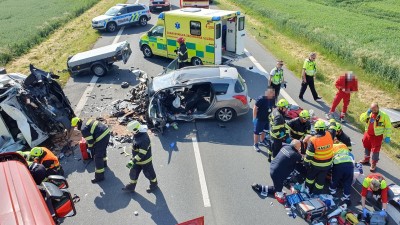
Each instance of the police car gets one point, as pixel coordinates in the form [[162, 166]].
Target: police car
[[121, 15]]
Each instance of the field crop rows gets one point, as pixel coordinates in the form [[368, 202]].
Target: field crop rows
[[365, 33], [25, 23]]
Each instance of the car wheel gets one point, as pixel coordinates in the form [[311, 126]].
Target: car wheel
[[111, 27], [143, 21], [196, 61], [225, 114], [99, 70], [147, 51]]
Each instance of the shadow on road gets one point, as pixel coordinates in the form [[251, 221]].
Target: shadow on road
[[159, 211], [112, 198]]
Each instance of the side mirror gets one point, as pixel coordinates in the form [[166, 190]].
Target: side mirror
[[149, 33], [59, 181], [64, 206]]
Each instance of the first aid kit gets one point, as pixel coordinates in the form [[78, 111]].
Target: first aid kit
[[312, 209]]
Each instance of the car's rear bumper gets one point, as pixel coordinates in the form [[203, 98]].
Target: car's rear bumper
[[242, 110]]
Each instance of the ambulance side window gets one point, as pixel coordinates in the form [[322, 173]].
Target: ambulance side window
[[218, 31], [158, 31], [195, 28], [241, 23]]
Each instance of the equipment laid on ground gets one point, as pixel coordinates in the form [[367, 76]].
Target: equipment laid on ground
[[377, 219], [84, 149], [395, 199], [312, 209], [100, 60]]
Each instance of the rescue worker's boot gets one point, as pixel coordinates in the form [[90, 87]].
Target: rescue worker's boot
[[280, 197], [129, 187], [373, 166], [98, 177], [364, 161], [153, 186]]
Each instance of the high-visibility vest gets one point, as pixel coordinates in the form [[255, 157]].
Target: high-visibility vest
[[341, 154], [382, 124], [376, 176], [323, 147], [50, 157], [310, 67], [278, 76]]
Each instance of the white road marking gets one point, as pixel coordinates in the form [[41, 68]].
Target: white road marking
[[116, 39], [92, 83], [259, 67], [202, 178]]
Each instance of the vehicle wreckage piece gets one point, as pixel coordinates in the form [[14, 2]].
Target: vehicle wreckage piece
[[32, 108]]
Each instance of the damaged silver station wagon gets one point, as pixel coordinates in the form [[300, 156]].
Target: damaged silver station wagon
[[32, 109], [196, 92]]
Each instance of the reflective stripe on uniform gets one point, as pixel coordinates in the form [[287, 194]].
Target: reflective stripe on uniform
[[309, 153], [144, 152], [99, 170], [154, 180], [309, 181], [133, 181], [320, 187], [88, 138], [94, 125], [145, 161], [137, 158], [102, 135], [324, 164]]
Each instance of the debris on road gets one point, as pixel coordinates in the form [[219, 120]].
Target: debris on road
[[136, 213], [34, 109], [125, 85]]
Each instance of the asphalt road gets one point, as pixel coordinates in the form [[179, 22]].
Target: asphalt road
[[229, 162]]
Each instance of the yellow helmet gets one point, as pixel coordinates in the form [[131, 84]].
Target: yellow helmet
[[320, 125], [74, 121], [36, 152], [304, 114], [133, 126], [283, 103]]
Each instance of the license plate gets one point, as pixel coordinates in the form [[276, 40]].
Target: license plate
[[159, 7]]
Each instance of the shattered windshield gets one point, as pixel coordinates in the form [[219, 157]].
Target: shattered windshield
[[113, 11]]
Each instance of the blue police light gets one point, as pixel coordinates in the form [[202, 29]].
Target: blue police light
[[238, 13], [216, 18], [161, 16]]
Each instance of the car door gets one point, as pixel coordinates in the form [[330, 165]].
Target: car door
[[122, 17], [240, 35], [218, 43], [157, 41], [133, 14]]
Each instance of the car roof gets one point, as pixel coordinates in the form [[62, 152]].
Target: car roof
[[194, 74], [125, 5], [203, 13], [21, 200]]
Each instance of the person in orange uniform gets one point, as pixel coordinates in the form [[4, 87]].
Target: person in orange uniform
[[374, 184], [45, 157], [319, 154], [377, 128]]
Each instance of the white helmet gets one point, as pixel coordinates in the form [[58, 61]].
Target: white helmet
[[133, 126]]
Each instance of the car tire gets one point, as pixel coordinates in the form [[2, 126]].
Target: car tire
[[143, 21], [147, 51], [196, 61], [98, 70], [225, 114], [111, 27]]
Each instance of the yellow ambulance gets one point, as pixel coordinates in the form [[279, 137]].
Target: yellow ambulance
[[211, 36]]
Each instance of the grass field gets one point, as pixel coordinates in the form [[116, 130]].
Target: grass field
[[365, 33], [293, 49], [25, 23]]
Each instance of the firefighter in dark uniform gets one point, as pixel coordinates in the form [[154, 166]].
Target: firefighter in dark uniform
[[97, 136], [341, 136], [319, 154], [279, 131], [300, 127], [141, 158], [281, 167], [342, 171], [182, 52]]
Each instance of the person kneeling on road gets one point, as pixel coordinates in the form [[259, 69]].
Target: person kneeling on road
[[261, 110], [97, 136], [281, 167], [279, 129], [374, 184], [142, 158], [342, 171], [301, 126], [341, 136], [45, 157]]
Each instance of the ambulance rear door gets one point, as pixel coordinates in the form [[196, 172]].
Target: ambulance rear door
[[240, 34], [218, 43]]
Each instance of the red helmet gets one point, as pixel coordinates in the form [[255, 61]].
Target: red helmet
[[180, 40]]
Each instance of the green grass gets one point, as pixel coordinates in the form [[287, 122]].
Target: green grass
[[26, 23], [367, 41], [292, 48]]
